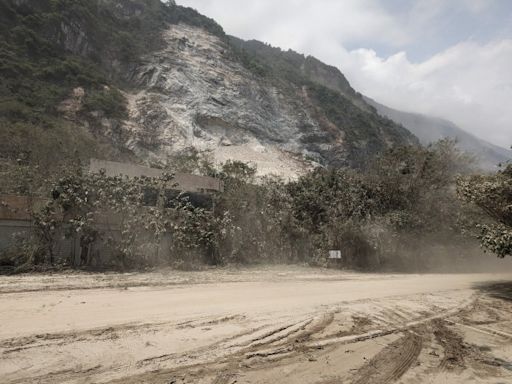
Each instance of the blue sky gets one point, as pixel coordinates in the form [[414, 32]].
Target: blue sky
[[446, 58], [438, 25]]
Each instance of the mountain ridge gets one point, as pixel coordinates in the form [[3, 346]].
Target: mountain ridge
[[429, 129], [147, 79]]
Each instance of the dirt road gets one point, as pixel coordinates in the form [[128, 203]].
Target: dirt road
[[276, 325]]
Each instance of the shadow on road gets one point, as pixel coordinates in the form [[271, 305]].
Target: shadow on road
[[500, 290]]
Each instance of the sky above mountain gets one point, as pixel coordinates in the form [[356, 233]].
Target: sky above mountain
[[451, 59]]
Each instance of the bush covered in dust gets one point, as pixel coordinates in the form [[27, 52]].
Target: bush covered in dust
[[493, 194], [390, 215]]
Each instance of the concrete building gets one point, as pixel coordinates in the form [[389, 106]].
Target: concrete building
[[183, 181], [16, 223], [15, 217]]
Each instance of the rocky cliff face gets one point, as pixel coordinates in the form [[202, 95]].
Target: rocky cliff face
[[186, 84], [193, 94], [196, 93]]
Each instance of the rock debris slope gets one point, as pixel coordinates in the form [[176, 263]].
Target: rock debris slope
[[195, 92], [193, 95]]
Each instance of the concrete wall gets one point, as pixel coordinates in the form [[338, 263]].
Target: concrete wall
[[185, 182], [8, 230], [16, 230], [68, 248], [15, 217], [13, 207]]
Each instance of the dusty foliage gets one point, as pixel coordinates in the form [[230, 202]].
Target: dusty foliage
[[387, 216], [400, 212], [114, 212], [493, 194]]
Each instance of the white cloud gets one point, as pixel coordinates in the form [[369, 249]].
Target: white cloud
[[466, 81], [469, 83], [289, 23], [477, 6]]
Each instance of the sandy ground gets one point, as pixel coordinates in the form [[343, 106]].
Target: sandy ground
[[271, 325]]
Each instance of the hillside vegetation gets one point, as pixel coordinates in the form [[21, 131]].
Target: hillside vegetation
[[335, 102], [79, 77], [401, 213], [488, 157], [50, 47]]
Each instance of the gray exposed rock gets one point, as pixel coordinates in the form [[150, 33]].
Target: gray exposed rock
[[192, 95], [74, 39]]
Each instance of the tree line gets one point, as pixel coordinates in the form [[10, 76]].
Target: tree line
[[397, 213]]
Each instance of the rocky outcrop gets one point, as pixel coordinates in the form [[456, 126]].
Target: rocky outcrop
[[194, 92], [186, 84], [74, 39]]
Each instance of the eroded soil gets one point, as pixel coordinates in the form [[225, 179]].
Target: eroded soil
[[274, 325]]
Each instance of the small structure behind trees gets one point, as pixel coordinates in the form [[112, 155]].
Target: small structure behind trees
[[400, 212], [493, 195], [105, 215]]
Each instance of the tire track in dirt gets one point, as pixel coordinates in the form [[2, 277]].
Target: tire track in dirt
[[230, 352], [258, 348], [278, 349], [392, 362], [456, 351], [265, 346], [280, 334], [391, 329], [105, 333], [396, 358]]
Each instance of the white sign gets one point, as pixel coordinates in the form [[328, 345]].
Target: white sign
[[334, 254]]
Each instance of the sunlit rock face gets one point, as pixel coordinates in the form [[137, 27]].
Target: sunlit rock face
[[187, 84], [195, 92]]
